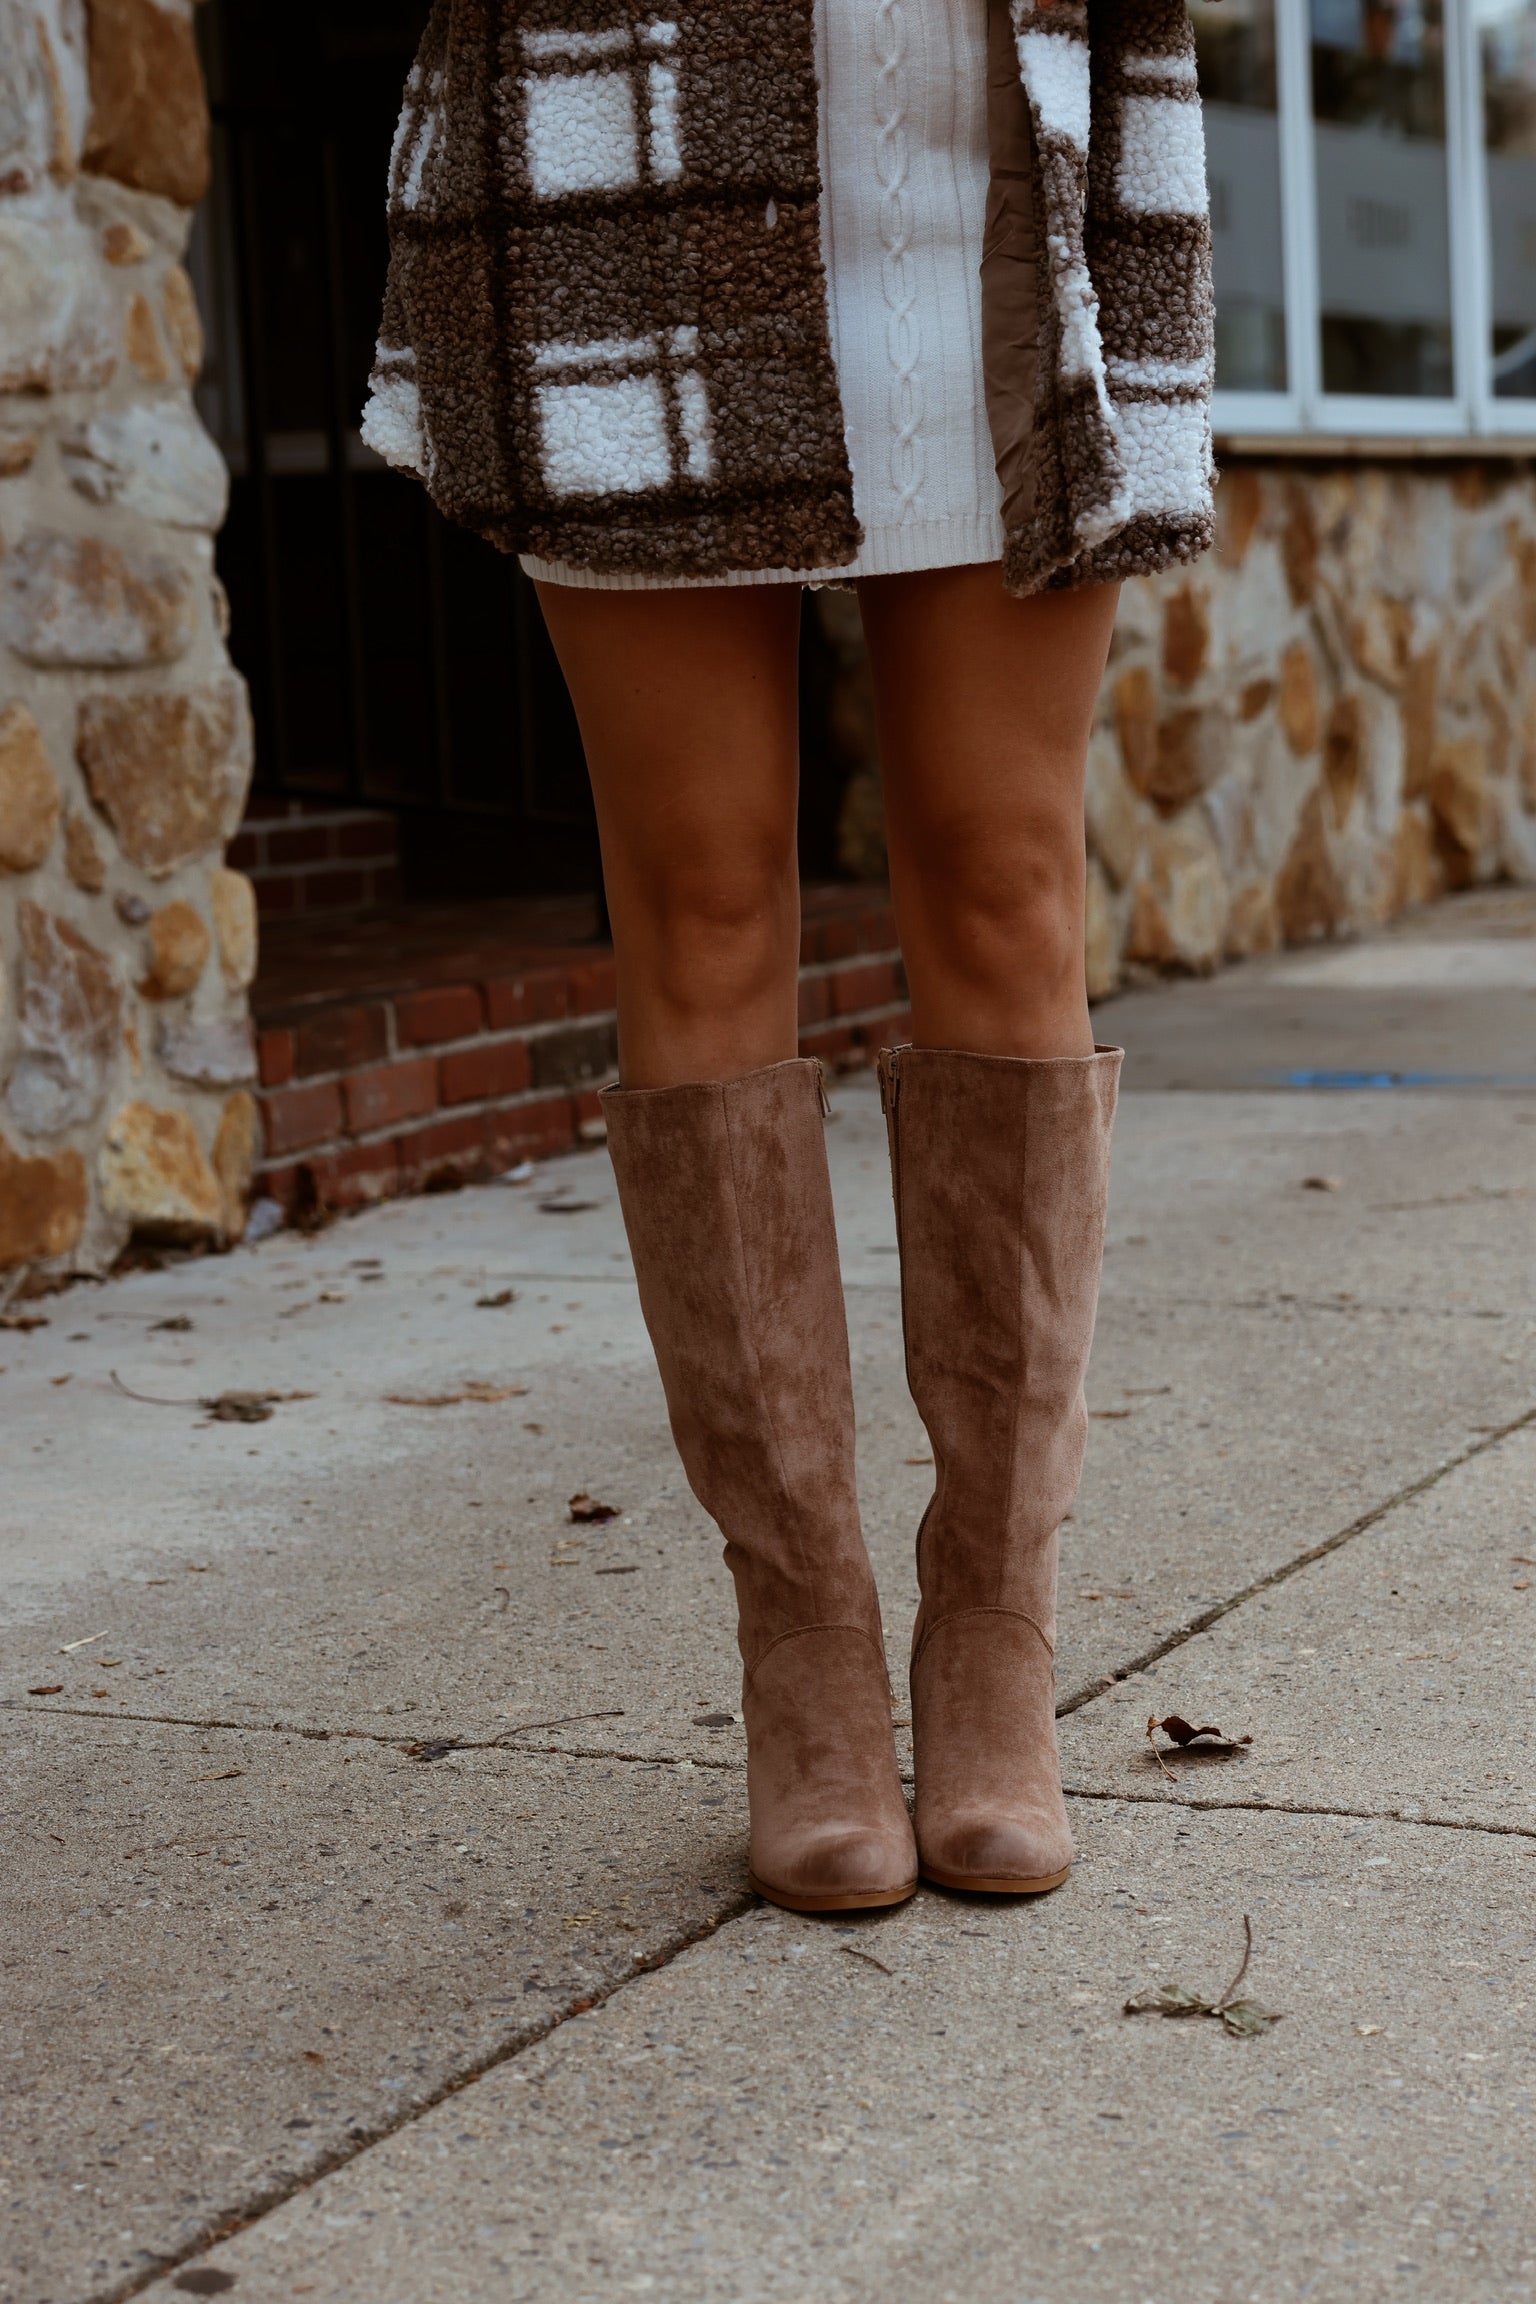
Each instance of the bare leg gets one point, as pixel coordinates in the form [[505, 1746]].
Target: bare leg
[[688, 712], [984, 707]]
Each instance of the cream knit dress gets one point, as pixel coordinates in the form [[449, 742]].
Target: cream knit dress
[[905, 172]]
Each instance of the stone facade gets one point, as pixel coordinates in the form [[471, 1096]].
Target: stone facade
[[126, 947], [1329, 719]]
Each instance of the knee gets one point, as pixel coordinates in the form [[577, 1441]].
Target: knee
[[721, 929], [1011, 907]]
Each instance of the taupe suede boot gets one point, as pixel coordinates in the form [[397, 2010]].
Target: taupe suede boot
[[728, 1207], [1001, 1175]]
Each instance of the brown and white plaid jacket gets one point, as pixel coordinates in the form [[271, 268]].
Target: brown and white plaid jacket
[[605, 336]]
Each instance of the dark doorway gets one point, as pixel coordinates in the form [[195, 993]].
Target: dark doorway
[[395, 661]]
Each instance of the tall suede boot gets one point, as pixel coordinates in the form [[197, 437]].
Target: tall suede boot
[[1001, 1174], [728, 1207]]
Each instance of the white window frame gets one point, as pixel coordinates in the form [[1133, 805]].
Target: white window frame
[[1305, 413]]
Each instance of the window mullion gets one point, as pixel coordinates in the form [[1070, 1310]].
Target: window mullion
[[1469, 215], [1298, 206]]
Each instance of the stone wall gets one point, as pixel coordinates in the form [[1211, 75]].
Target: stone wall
[[1330, 718], [125, 946]]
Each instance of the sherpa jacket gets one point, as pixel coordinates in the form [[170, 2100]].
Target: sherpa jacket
[[605, 337]]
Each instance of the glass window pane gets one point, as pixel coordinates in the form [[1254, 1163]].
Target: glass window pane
[[1235, 43], [1378, 98], [1507, 36]]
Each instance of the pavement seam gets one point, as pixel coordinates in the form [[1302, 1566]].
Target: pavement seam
[[363, 2138], [1305, 1808], [1366, 1520]]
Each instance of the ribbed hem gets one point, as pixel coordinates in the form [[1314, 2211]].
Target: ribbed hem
[[960, 543]]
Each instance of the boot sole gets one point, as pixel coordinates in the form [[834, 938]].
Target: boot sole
[[994, 1886], [850, 1900]]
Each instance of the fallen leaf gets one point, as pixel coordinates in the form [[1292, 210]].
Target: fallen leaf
[[178, 1326], [1246, 2018], [480, 1392], [1322, 1183], [563, 1207], [23, 1322], [632, 1569], [56, 1381], [1243, 2019], [586, 1508], [917, 1459], [1368, 2031], [222, 1407], [219, 1776], [1110, 1415], [868, 1958], [49, 1688], [1184, 1736], [704, 1720], [311, 2055], [496, 1303]]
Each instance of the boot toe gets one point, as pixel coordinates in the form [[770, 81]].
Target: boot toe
[[1003, 1854], [839, 1868]]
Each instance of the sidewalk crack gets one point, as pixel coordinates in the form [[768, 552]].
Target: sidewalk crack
[[1195, 1625]]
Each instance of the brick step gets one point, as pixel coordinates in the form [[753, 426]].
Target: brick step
[[417, 1087], [312, 861]]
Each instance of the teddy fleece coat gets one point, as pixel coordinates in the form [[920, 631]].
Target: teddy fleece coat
[[605, 338]]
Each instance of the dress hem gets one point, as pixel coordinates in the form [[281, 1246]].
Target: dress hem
[[895, 551]]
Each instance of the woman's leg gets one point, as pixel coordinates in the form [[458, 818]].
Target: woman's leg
[[984, 707], [688, 711], [1000, 1118], [687, 705]]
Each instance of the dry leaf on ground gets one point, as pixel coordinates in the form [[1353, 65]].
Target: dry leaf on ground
[[220, 1407], [1244, 2019], [587, 1508], [1322, 1183], [22, 1322], [496, 1302], [1206, 1739], [482, 1392]]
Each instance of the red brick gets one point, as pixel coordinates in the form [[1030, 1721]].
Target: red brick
[[371, 837], [299, 844], [296, 1117], [488, 1068], [815, 1000], [340, 1039], [877, 929], [389, 1093], [275, 1050], [588, 1105], [243, 851], [446, 1012], [531, 1131], [594, 987], [334, 891], [537, 998], [357, 1174], [461, 1145], [277, 1184], [872, 985]]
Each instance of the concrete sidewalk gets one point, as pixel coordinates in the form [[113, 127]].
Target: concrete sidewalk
[[374, 1916]]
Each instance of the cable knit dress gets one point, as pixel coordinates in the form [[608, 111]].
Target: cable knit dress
[[924, 199]]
